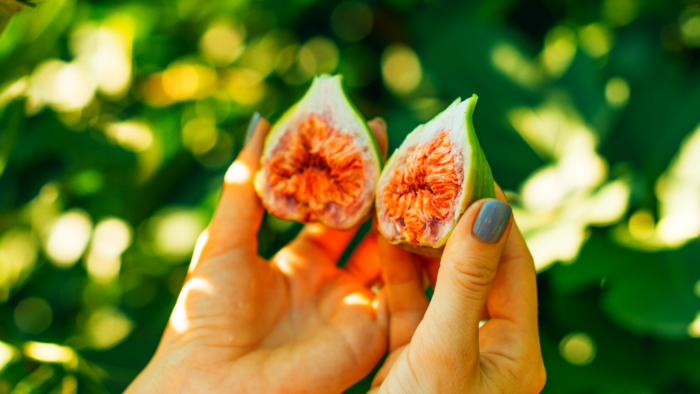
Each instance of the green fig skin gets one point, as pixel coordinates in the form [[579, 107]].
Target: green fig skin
[[479, 181]]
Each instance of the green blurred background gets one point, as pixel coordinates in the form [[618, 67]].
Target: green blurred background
[[119, 118]]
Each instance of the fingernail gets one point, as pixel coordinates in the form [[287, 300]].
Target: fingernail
[[492, 220], [251, 127]]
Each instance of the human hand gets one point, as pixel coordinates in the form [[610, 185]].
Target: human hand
[[293, 324], [440, 348]]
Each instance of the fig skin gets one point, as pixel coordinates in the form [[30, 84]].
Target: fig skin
[[319, 171], [477, 180]]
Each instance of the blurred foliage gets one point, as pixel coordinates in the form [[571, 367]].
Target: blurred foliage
[[118, 120]]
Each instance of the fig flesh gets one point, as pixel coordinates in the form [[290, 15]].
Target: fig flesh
[[431, 179], [320, 162]]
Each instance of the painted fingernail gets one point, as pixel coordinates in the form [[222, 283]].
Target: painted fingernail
[[492, 220], [251, 127]]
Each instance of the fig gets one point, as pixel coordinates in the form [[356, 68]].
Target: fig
[[320, 162], [431, 179]]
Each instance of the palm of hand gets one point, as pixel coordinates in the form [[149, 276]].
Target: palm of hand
[[257, 329], [245, 323]]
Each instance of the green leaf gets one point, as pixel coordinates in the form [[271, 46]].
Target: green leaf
[[11, 123], [9, 8], [655, 298]]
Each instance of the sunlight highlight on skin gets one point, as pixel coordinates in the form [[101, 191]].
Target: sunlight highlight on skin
[[314, 229], [239, 173], [357, 299], [285, 261], [201, 241], [179, 321]]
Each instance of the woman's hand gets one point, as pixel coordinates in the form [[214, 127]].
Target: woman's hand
[[294, 324], [485, 271]]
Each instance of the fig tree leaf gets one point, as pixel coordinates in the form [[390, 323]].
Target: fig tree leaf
[[655, 297], [9, 8]]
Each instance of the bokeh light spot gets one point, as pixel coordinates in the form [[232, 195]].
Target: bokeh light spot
[[691, 31], [617, 92], [694, 327], [557, 243], [620, 12], [401, 69], [352, 20], [578, 348], [49, 352], [110, 239], [261, 53], [18, 252], [199, 135], [68, 237], [132, 135], [678, 191], [174, 233], [642, 225], [319, 55], [105, 51], [64, 86], [33, 315], [596, 39], [86, 182], [188, 81], [559, 50], [72, 89], [223, 42], [7, 354], [609, 204], [244, 86], [508, 60], [108, 326]]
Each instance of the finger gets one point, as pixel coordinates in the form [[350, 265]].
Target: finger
[[378, 127], [468, 269], [381, 309], [237, 218], [364, 263], [404, 288], [431, 267], [384, 371], [321, 241], [514, 293]]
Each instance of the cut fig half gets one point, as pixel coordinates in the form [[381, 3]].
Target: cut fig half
[[431, 179], [320, 162]]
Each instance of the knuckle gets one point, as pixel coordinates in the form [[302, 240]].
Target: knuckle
[[477, 273]]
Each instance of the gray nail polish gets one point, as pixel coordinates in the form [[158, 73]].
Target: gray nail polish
[[251, 127], [492, 220]]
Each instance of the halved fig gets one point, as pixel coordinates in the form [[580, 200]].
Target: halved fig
[[431, 179], [320, 162]]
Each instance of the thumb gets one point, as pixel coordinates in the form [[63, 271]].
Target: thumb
[[468, 268]]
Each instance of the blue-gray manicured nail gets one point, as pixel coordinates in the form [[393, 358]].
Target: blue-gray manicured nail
[[492, 220], [251, 127]]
